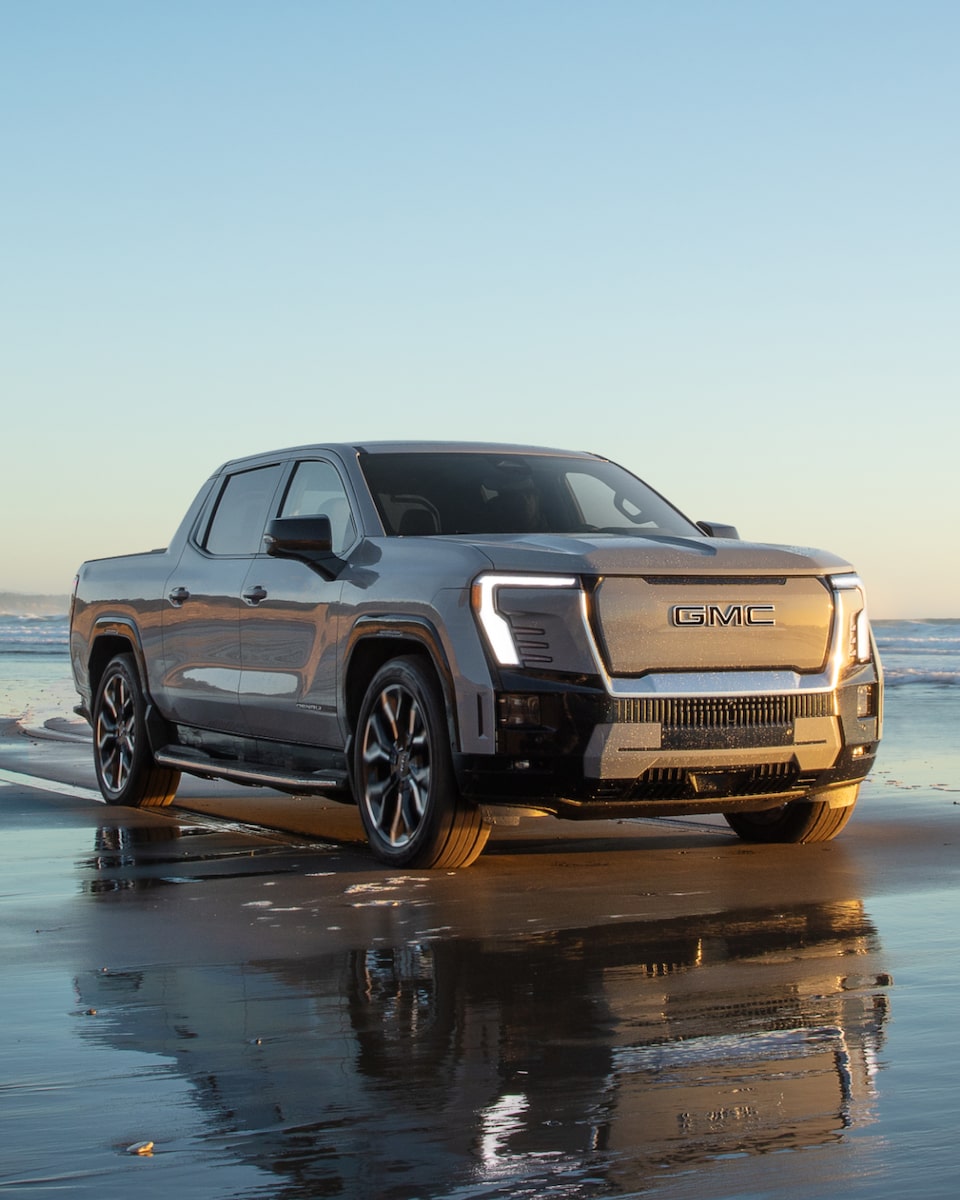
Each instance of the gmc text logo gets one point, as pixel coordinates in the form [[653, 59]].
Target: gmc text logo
[[716, 614]]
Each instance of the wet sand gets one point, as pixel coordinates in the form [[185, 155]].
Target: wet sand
[[600, 1009]]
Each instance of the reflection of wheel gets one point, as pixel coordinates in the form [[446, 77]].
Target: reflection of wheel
[[406, 1005], [411, 807], [126, 771], [396, 993], [801, 821]]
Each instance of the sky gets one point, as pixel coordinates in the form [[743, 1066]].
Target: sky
[[714, 241]]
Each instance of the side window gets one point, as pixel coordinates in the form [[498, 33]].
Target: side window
[[241, 512], [317, 490]]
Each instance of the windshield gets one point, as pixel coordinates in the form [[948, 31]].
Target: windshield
[[467, 492]]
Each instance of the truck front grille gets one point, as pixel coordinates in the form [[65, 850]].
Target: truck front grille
[[665, 623]]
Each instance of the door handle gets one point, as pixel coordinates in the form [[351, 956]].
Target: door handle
[[255, 595], [178, 595]]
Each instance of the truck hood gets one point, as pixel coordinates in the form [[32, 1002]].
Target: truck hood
[[610, 554]]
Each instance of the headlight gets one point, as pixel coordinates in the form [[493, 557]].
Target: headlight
[[496, 628], [853, 622]]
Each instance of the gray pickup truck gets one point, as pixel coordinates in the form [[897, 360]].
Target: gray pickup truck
[[450, 635]]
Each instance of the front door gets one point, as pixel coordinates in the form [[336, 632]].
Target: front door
[[289, 623]]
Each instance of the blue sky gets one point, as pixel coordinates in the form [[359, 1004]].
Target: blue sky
[[717, 242]]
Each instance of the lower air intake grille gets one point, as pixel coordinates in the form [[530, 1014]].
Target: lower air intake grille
[[677, 783], [724, 712]]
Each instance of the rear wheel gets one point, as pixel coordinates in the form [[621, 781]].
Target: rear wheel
[[124, 763], [801, 821], [410, 805]]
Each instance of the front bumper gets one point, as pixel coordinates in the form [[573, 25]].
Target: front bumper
[[596, 755]]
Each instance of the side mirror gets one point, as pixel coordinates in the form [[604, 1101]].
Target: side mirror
[[715, 530], [308, 539]]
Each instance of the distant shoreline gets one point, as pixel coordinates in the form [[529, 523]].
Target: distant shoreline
[[916, 620], [19, 604]]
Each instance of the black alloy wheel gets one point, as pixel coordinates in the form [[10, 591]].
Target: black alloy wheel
[[126, 771], [410, 804]]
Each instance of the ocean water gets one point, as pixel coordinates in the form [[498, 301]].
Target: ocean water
[[921, 652], [35, 682]]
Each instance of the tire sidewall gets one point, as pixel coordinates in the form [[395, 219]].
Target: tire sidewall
[[810, 820]]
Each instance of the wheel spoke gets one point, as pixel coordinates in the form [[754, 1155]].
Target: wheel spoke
[[377, 747], [398, 832], [419, 789], [414, 805], [391, 702], [108, 765], [378, 790], [124, 758]]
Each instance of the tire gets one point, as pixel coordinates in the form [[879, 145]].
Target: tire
[[410, 805], [124, 762], [801, 821]]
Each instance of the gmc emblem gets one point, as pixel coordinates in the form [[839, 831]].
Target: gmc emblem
[[716, 614]]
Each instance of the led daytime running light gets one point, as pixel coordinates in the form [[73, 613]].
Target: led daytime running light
[[495, 626]]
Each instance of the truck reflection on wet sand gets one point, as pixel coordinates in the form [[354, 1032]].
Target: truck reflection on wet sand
[[607, 1057]]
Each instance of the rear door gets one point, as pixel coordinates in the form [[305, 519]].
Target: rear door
[[203, 603]]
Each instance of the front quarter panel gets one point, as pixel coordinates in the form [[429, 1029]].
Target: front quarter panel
[[417, 591]]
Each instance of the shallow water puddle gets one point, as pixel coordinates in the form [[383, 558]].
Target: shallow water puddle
[[138, 858]]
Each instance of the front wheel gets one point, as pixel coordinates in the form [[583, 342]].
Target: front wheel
[[126, 771], [410, 805], [800, 821]]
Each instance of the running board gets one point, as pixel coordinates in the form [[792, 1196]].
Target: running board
[[195, 762]]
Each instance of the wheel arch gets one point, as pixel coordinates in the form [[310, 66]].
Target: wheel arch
[[114, 636], [373, 642], [110, 638]]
